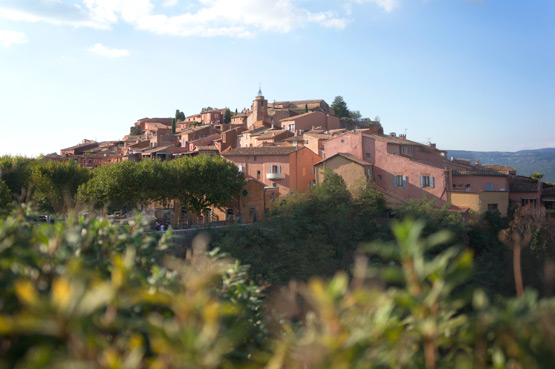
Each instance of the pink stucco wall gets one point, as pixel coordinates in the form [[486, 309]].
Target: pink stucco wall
[[350, 143], [388, 163]]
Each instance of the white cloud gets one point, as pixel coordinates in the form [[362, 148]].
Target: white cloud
[[169, 3], [387, 5], [107, 52], [237, 18], [8, 38]]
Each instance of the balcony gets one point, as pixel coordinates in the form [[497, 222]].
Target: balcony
[[274, 176]]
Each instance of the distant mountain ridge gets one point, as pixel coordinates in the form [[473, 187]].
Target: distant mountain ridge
[[526, 162]]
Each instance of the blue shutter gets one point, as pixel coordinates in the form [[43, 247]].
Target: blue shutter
[[421, 181], [432, 182], [404, 181]]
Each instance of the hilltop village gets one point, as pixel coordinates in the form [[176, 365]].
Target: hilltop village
[[285, 147]]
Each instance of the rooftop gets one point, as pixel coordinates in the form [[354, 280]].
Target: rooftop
[[347, 156], [262, 150]]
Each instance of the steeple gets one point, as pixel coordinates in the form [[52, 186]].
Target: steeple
[[259, 91]]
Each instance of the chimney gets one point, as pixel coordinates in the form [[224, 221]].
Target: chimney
[[392, 134], [432, 145]]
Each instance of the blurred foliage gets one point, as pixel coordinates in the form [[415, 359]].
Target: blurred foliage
[[89, 293], [5, 197]]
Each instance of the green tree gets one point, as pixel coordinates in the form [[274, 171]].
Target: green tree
[[173, 125], [355, 115], [179, 115], [55, 184], [16, 173], [136, 131], [306, 108], [339, 107], [204, 181], [199, 183], [537, 176], [120, 185], [435, 217], [227, 116], [5, 197]]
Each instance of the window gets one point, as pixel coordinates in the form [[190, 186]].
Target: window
[[274, 184], [489, 186], [241, 168], [306, 142], [254, 158], [257, 172], [400, 181], [492, 206], [276, 169], [215, 115], [427, 181], [380, 177], [525, 202], [292, 127], [406, 149], [368, 156], [272, 196]]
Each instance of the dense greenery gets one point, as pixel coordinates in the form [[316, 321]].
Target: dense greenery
[[50, 185], [227, 116], [93, 294], [56, 187], [339, 107], [314, 234], [198, 182]]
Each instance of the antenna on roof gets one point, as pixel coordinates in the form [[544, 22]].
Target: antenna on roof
[[429, 139], [406, 132]]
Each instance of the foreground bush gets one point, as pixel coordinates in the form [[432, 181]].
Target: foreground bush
[[96, 294], [93, 294]]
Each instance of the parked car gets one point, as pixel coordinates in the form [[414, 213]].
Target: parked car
[[158, 224]]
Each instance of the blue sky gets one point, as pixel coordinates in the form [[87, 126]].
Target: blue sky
[[467, 74]]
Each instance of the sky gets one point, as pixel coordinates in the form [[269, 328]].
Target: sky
[[465, 74]]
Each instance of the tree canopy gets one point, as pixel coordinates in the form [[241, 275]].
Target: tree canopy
[[227, 116], [55, 184], [339, 107], [197, 182]]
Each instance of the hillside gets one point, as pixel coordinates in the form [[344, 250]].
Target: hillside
[[526, 162]]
